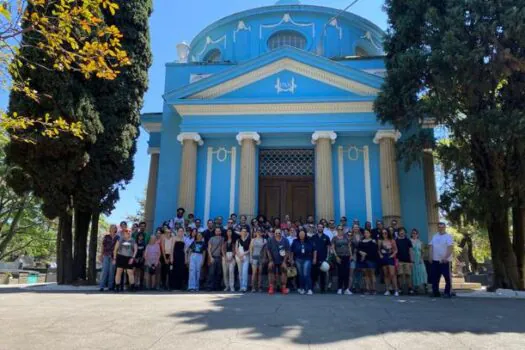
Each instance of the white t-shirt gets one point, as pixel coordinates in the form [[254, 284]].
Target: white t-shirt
[[439, 244], [329, 233]]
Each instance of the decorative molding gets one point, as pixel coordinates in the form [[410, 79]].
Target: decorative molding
[[240, 26], [248, 135], [332, 136], [368, 36], [276, 108], [196, 77], [341, 175], [391, 134], [353, 152], [286, 19], [289, 65], [368, 183], [285, 87], [152, 127], [193, 136], [233, 170], [334, 23], [210, 41], [207, 193], [380, 72], [153, 150]]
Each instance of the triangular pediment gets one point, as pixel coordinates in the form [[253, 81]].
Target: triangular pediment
[[285, 72]]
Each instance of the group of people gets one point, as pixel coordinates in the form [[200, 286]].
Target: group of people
[[182, 254]]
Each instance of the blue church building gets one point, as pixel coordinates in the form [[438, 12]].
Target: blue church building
[[270, 111]]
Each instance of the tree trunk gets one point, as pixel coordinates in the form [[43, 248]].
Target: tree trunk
[[65, 249], [93, 241], [82, 219], [518, 223], [503, 258]]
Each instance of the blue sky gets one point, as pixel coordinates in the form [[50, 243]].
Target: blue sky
[[173, 21]]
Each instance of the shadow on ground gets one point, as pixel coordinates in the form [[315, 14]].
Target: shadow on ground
[[332, 318]]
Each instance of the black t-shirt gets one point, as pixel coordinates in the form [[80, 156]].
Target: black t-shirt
[[376, 234], [403, 249], [370, 248], [321, 244], [207, 234]]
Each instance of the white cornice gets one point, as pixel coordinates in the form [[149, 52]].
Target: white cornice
[[332, 136], [276, 108], [152, 127], [290, 65], [190, 136], [248, 135], [392, 134], [153, 150]]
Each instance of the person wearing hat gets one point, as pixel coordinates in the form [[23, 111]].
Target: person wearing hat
[[278, 251], [322, 245]]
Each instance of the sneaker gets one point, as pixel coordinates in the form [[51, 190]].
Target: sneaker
[[270, 290], [300, 291], [348, 292], [309, 292], [339, 292], [387, 293], [101, 290], [285, 290], [411, 291], [227, 289], [396, 293]]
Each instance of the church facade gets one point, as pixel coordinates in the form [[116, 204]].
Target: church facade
[[270, 111]]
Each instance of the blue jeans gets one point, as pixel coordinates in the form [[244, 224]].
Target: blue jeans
[[107, 276], [304, 268], [195, 271], [437, 270], [243, 266]]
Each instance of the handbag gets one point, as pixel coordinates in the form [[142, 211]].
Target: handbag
[[291, 272]]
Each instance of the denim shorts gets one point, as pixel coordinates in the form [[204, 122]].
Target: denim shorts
[[367, 264]]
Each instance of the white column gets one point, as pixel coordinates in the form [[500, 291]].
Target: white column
[[324, 189], [188, 170], [151, 192], [248, 175], [390, 198]]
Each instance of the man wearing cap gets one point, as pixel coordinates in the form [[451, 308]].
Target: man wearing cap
[[322, 245], [278, 251]]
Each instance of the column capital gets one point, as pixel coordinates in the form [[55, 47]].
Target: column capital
[[331, 135], [153, 150], [382, 134], [193, 136], [248, 135]]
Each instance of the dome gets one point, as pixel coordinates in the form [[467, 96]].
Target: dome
[[321, 30], [288, 2]]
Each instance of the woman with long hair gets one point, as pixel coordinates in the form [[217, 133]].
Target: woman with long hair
[[228, 262], [138, 267], [166, 244], [178, 261], [303, 253], [256, 253], [242, 250], [342, 249], [123, 257], [366, 260], [419, 272], [195, 259], [152, 263], [387, 250]]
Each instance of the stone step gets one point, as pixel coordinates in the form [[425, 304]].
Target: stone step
[[462, 285]]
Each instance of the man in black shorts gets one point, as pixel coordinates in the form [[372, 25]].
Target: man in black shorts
[[278, 251]]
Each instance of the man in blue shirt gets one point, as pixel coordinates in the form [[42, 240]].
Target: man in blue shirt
[[322, 246]]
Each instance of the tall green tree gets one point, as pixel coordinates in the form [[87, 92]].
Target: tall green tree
[[457, 62], [118, 103]]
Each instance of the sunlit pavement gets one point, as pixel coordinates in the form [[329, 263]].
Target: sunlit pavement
[[34, 319]]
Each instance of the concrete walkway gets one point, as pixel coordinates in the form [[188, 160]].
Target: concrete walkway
[[46, 319]]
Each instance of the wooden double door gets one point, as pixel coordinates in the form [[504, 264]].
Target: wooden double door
[[280, 196]]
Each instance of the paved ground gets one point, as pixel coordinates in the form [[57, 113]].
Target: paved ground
[[86, 320]]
